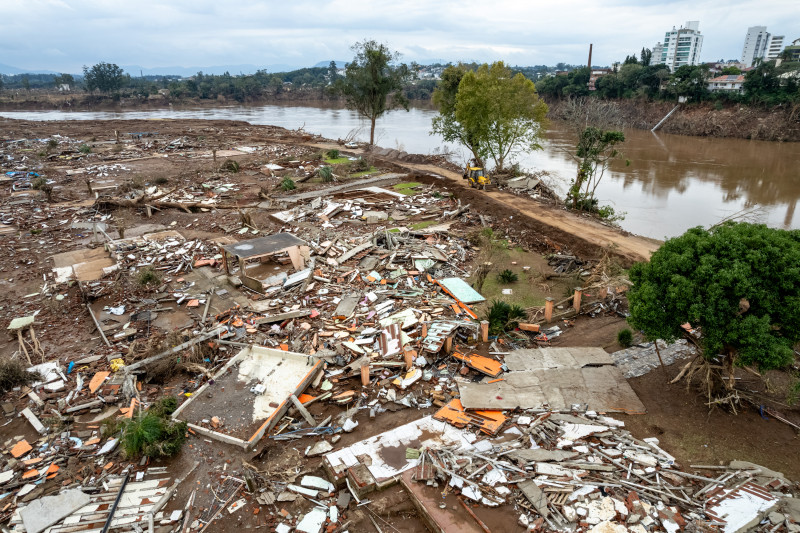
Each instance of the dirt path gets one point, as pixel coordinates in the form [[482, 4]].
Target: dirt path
[[632, 247]]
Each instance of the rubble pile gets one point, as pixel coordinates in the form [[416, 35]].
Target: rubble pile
[[317, 347]]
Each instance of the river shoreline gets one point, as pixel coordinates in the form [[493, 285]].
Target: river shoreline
[[733, 121]]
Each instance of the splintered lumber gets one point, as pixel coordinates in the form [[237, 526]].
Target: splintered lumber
[[283, 316], [303, 411], [97, 324], [200, 338]]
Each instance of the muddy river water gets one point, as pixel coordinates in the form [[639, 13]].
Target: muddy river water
[[673, 182]]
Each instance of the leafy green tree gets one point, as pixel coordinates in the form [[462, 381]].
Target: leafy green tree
[[373, 82], [106, 77], [445, 123], [333, 72], [690, 80], [631, 60], [596, 148], [494, 113], [645, 57], [730, 71], [26, 83], [64, 79], [738, 283]]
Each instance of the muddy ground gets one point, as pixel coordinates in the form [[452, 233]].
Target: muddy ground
[[676, 415]]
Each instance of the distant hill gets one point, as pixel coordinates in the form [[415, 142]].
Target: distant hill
[[136, 70], [8, 69], [324, 64]]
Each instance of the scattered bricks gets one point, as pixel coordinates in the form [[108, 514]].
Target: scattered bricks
[[630, 500]]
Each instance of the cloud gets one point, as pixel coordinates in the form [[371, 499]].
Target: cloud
[[66, 34]]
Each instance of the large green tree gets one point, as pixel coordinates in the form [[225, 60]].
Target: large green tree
[[105, 77], [495, 114], [373, 82], [445, 123], [595, 150], [738, 283]]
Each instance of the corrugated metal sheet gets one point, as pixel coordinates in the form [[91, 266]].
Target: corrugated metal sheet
[[461, 290]]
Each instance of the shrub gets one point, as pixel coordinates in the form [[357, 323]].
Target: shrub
[[148, 276], [326, 174], [52, 143], [625, 338], [161, 180], [14, 374], [38, 183], [85, 149], [153, 433], [506, 276], [288, 184], [503, 316], [332, 154], [360, 165], [231, 166]]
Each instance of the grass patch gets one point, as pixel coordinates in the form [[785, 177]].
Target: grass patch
[[153, 433], [337, 161], [422, 225], [288, 184], [407, 187], [625, 338], [372, 170]]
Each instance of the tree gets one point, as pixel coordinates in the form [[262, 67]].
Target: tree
[[645, 57], [373, 82], [26, 82], [730, 71], [738, 283], [445, 123], [333, 72], [106, 77], [690, 80], [596, 148], [494, 114], [64, 79]]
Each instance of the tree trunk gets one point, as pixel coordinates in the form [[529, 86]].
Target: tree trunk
[[731, 381], [372, 132]]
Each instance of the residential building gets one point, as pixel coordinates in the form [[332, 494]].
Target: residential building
[[681, 46], [658, 50], [792, 52], [729, 83], [760, 44]]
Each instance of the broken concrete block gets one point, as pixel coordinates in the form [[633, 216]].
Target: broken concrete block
[[44, 512], [319, 448]]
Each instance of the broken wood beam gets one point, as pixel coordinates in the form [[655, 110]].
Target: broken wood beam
[[303, 411], [176, 349], [97, 324]]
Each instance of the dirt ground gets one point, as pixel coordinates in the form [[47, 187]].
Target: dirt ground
[[680, 418]]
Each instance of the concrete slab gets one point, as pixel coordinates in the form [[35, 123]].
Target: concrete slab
[[247, 412], [556, 378], [384, 455], [44, 512]]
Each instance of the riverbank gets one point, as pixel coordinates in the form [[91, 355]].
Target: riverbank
[[734, 121]]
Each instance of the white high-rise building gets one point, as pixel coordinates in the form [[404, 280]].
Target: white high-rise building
[[760, 44], [680, 47]]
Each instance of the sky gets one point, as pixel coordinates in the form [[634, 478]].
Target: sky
[[64, 35]]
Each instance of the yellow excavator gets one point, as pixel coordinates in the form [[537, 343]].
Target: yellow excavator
[[476, 175]]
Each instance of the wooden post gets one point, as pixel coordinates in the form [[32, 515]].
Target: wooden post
[[484, 331], [576, 299], [408, 355], [365, 375], [549, 303], [22, 345], [658, 352], [448, 345]]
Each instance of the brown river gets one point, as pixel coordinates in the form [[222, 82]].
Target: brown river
[[673, 182]]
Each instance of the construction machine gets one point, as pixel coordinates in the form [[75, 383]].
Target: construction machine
[[476, 175]]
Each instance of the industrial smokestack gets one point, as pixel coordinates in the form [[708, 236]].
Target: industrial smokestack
[[590, 56]]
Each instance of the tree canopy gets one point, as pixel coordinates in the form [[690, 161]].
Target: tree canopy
[[106, 77], [738, 283], [595, 150], [491, 112], [373, 82]]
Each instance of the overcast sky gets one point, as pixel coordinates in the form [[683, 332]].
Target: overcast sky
[[63, 35]]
